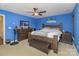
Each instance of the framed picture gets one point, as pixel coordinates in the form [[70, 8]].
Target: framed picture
[[50, 20], [24, 24]]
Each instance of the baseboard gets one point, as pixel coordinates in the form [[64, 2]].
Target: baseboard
[[76, 49], [74, 44]]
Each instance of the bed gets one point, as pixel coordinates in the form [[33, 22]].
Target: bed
[[48, 33]]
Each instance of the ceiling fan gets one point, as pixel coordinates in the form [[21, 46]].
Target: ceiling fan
[[36, 12]]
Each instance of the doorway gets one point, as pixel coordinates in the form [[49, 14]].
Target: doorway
[[2, 30]]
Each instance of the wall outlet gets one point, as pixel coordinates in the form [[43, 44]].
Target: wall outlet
[[9, 27]]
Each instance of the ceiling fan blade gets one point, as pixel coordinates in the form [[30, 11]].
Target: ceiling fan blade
[[35, 9], [42, 12]]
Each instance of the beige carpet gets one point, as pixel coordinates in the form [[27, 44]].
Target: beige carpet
[[23, 49]]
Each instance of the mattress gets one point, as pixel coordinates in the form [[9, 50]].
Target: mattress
[[48, 33]]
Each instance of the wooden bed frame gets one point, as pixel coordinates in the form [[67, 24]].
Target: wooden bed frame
[[53, 26], [52, 41]]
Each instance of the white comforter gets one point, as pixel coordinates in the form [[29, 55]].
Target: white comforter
[[48, 33]]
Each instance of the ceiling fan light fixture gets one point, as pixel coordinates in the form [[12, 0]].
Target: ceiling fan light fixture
[[36, 14]]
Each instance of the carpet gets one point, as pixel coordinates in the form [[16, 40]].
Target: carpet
[[23, 49]]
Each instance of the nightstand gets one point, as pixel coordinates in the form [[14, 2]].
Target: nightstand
[[67, 37]]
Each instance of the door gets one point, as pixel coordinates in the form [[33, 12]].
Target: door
[[1, 30]]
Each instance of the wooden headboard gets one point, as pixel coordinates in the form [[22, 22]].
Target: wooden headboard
[[53, 26]]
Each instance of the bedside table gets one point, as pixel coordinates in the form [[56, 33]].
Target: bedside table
[[67, 37]]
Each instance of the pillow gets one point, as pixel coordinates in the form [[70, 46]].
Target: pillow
[[57, 28], [45, 29]]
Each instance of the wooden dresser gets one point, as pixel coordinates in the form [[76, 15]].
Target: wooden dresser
[[22, 33]]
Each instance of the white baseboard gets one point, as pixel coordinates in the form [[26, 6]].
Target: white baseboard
[[76, 49], [75, 46]]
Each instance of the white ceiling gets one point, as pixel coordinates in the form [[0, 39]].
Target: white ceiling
[[51, 8]]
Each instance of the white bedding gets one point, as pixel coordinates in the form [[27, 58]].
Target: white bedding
[[48, 33]]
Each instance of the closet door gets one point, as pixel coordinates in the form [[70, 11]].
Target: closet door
[[1, 30]]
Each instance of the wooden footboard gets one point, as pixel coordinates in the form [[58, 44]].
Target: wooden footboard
[[54, 44], [53, 41]]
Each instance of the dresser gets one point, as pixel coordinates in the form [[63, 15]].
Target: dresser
[[22, 33], [67, 37]]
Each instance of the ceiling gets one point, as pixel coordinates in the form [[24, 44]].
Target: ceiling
[[52, 9]]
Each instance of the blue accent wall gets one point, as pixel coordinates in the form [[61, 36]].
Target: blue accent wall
[[65, 19], [12, 20], [76, 26]]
